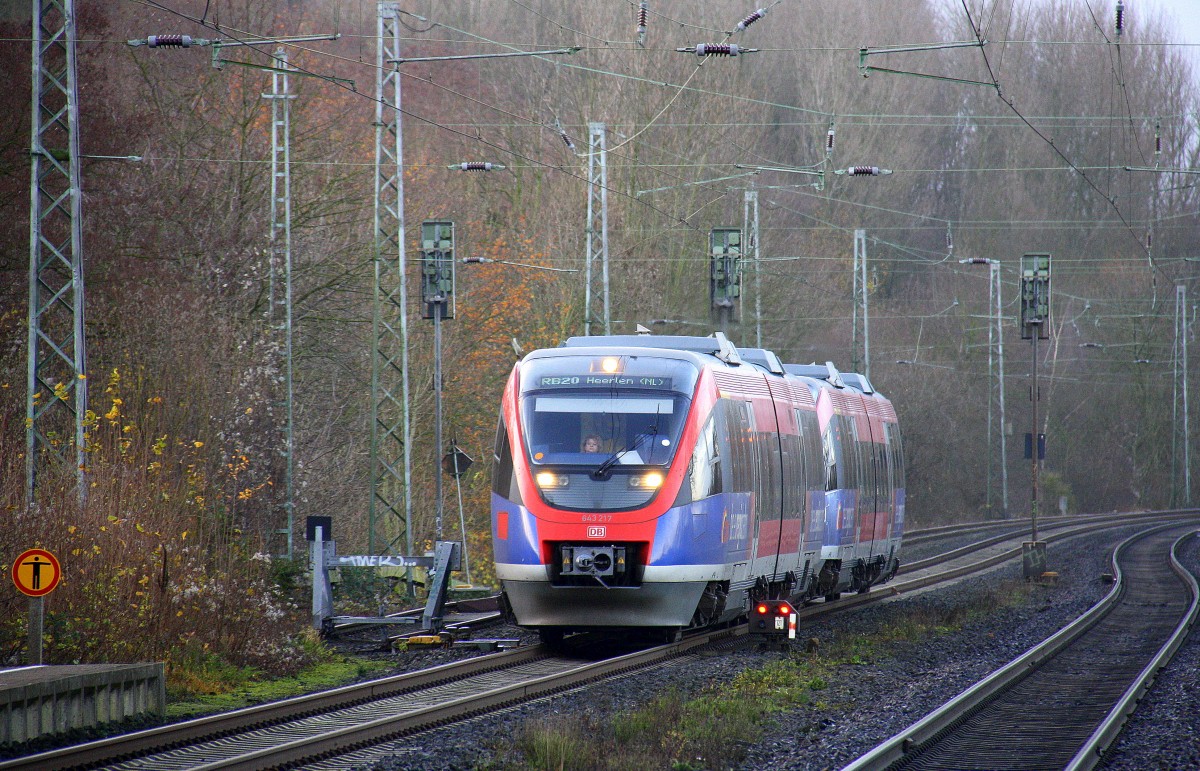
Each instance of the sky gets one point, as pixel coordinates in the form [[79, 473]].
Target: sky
[[1186, 15]]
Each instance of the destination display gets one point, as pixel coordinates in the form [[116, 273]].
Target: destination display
[[602, 381]]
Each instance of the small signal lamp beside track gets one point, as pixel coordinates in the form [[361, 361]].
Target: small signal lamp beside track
[[773, 618]]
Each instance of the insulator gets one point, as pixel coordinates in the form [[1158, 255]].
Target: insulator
[[566, 139], [168, 41], [1157, 138], [1120, 17], [643, 12], [746, 22], [863, 171], [949, 239], [1149, 238], [475, 166], [719, 49], [829, 137]]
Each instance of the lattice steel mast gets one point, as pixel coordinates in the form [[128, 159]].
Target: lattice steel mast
[[596, 308], [750, 228], [1181, 495], [391, 429], [280, 269], [860, 304], [56, 400]]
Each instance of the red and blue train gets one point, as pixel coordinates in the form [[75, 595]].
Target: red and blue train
[[663, 483]]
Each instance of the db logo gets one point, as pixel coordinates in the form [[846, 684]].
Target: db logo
[[596, 532]]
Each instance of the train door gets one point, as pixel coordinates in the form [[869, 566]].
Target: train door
[[786, 478], [739, 479]]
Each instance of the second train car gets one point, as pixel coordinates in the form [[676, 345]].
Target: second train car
[[662, 483]]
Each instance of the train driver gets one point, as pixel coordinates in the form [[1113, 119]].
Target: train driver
[[591, 443]]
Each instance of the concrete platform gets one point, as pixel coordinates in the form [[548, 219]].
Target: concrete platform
[[41, 700]]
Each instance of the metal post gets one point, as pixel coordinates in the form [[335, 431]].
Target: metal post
[[437, 418], [597, 233], [437, 294], [322, 590], [750, 219], [56, 378], [462, 520], [1035, 323], [999, 324], [1034, 396], [1180, 430], [390, 436], [860, 300], [281, 261], [37, 610], [991, 385]]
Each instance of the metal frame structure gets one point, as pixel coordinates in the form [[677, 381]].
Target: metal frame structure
[[996, 347], [725, 275], [1179, 420], [1035, 325], [391, 428], [437, 295], [750, 224], [280, 268], [996, 386], [595, 301], [859, 270], [56, 396]]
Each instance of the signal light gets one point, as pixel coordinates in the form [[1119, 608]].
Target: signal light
[[774, 618]]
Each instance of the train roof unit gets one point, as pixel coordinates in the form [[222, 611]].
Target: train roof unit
[[715, 345]]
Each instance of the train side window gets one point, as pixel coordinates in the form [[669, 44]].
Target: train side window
[[810, 439], [795, 501], [503, 481], [829, 444], [706, 462], [896, 443], [852, 478], [738, 418]]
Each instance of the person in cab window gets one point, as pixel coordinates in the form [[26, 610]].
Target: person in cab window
[[591, 443]]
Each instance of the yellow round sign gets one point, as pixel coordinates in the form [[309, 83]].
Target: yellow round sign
[[36, 572]]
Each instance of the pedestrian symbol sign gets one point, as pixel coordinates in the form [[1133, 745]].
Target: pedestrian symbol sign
[[36, 572]]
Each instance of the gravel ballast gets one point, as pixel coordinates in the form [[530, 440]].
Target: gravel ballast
[[871, 701]]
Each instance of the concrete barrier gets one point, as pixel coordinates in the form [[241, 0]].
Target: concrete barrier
[[42, 700]]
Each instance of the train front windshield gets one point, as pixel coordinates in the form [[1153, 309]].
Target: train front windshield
[[574, 413]]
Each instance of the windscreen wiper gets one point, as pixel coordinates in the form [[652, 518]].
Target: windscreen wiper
[[602, 471]]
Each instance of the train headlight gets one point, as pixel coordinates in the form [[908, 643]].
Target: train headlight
[[648, 481], [548, 480], [608, 365]]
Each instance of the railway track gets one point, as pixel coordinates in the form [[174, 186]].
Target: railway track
[[305, 730], [1063, 702]]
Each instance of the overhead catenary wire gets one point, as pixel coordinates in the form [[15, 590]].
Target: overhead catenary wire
[[539, 163]]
